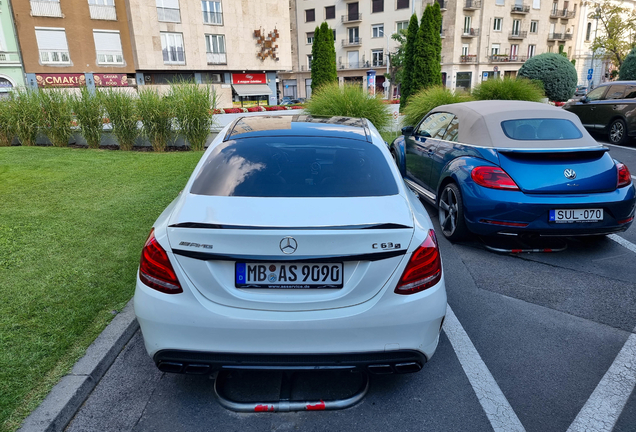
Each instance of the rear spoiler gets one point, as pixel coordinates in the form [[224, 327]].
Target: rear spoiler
[[595, 149]]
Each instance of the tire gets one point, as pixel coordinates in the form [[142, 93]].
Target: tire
[[617, 132], [451, 213]]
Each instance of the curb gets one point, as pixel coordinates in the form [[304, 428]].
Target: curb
[[60, 405]]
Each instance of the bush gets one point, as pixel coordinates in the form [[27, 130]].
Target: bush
[[349, 101], [555, 71], [56, 116], [275, 108], [25, 111], [156, 115], [421, 103], [121, 109], [232, 110], [508, 89], [7, 126], [90, 116], [191, 108], [628, 68]]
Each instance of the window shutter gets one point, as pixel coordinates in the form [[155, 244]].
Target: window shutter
[[107, 41], [171, 4], [54, 40]]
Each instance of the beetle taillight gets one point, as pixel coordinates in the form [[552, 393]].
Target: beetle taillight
[[624, 177], [493, 177]]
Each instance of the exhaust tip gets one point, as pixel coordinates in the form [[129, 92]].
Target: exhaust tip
[[407, 367], [170, 367], [380, 369], [197, 369]]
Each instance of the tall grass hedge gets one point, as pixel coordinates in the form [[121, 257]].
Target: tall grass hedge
[[56, 118], [509, 89], [156, 112], [123, 114], [192, 106], [89, 111], [25, 112], [7, 127], [422, 102]]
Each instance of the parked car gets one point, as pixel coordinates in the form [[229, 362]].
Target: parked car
[[580, 90], [511, 167], [296, 244], [610, 108]]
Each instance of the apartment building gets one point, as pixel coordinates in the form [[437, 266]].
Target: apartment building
[[362, 31], [11, 71], [68, 43], [483, 39], [238, 46]]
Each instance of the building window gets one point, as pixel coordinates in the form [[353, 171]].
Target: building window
[[467, 27], [377, 6], [377, 30], [401, 25], [463, 79], [48, 8], [377, 57], [534, 26], [172, 48], [536, 4], [309, 59], [310, 15], [334, 35], [212, 12], [402, 4], [588, 33], [215, 49], [555, 7], [465, 48], [516, 27], [108, 47], [53, 46], [310, 37], [330, 12], [497, 24], [531, 50], [499, 2], [102, 10], [168, 11], [494, 49]]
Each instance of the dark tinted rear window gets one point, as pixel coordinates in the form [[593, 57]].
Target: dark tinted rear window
[[541, 129], [295, 167]]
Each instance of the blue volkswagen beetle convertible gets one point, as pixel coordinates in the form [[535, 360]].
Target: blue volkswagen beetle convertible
[[511, 167]]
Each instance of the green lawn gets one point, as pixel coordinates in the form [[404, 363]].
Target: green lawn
[[72, 224]]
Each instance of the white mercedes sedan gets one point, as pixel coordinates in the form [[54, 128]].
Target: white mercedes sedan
[[295, 244]]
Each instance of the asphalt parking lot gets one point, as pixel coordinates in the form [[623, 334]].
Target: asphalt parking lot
[[535, 342]]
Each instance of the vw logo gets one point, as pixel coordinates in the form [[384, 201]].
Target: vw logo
[[569, 174], [288, 245]]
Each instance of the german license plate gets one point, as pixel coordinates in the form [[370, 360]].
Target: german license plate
[[294, 275], [576, 215]]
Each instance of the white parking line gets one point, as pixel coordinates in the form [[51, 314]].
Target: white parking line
[[501, 415], [621, 241], [603, 408]]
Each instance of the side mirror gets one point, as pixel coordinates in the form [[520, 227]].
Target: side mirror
[[407, 131], [584, 99]]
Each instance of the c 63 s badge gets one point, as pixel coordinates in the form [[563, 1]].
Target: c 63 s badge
[[386, 246], [196, 245]]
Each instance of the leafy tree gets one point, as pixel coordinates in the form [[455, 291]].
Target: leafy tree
[[396, 61], [407, 75], [323, 53], [557, 74], [628, 68], [616, 24]]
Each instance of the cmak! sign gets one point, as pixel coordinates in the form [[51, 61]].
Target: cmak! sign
[[60, 80]]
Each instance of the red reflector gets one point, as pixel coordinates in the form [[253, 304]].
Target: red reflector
[[511, 224], [516, 251], [493, 177], [624, 177], [423, 270], [155, 269], [624, 221]]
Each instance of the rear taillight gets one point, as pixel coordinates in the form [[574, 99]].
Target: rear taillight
[[423, 270], [493, 177], [624, 177], [155, 269]]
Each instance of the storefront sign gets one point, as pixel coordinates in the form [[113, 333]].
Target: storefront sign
[[249, 78], [111, 80], [60, 80]]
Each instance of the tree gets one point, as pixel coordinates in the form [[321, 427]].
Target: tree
[[330, 49], [407, 75], [423, 53], [396, 61], [323, 57], [628, 68], [616, 24], [557, 74], [316, 59], [436, 33]]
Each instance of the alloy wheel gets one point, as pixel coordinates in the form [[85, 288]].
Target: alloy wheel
[[616, 132], [448, 209]]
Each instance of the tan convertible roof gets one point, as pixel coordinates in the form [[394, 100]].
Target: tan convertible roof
[[480, 123]]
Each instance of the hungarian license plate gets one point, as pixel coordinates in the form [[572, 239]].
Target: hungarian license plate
[[576, 215], [293, 275]]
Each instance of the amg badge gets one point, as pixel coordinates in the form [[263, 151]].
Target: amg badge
[[196, 245]]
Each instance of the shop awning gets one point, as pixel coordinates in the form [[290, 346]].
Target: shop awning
[[252, 89]]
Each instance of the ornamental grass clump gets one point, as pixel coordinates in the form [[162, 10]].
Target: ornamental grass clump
[[193, 107], [509, 89], [7, 127], [24, 113], [349, 101], [56, 119], [421, 103], [89, 111], [121, 109], [156, 114]]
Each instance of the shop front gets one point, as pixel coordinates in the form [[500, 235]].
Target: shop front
[[250, 89]]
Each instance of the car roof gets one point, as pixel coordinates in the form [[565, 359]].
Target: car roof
[[299, 125], [480, 123], [605, 84]]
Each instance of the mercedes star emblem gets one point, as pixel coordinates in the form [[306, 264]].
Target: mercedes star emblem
[[569, 174], [288, 245]]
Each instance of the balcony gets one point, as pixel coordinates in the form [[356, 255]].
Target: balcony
[[470, 33], [517, 35], [168, 15], [562, 13], [304, 68], [377, 64], [216, 58], [469, 58], [442, 33], [100, 12], [559, 36], [215, 18], [520, 9], [351, 42], [351, 18], [443, 4], [472, 5], [9, 58], [46, 8], [505, 58]]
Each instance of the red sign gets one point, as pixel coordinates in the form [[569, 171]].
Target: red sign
[[249, 78], [60, 80], [110, 80]]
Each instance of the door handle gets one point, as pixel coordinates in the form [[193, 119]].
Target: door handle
[[615, 106], [430, 152]]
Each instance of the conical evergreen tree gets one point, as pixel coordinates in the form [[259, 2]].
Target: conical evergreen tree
[[331, 73], [407, 74], [422, 53], [436, 66], [316, 60]]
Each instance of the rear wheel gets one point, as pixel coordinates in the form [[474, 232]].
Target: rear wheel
[[451, 213], [618, 132]]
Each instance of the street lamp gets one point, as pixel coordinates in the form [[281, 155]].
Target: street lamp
[[388, 63], [597, 12]]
